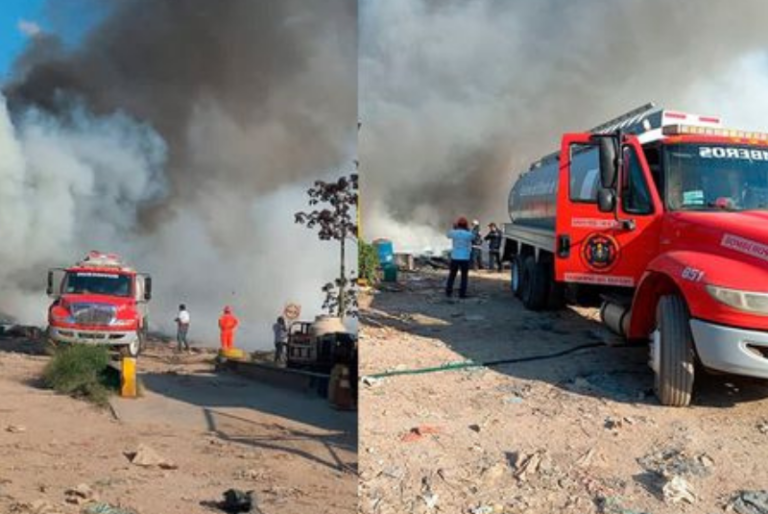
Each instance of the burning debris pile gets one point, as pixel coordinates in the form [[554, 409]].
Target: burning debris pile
[[186, 150]]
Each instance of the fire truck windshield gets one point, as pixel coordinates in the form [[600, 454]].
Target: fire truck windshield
[[712, 177], [87, 282]]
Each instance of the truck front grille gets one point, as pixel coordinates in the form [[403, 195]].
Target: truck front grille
[[93, 314]]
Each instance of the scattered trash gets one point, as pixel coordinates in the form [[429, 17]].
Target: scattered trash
[[483, 509], [677, 463], [36, 507], [105, 508], [235, 501], [418, 432], [613, 505], [430, 499], [513, 400], [16, 429], [371, 382], [763, 427], [147, 457], [677, 489], [80, 494], [528, 466], [475, 428], [749, 502]]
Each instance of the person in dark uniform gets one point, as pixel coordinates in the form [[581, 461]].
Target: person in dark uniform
[[494, 238], [477, 246]]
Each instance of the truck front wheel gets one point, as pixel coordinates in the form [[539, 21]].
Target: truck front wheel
[[535, 284], [672, 355], [133, 349]]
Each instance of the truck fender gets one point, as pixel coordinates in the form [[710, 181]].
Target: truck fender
[[664, 276]]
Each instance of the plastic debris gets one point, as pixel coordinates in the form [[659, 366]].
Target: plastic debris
[[418, 432], [105, 508], [750, 502], [677, 490]]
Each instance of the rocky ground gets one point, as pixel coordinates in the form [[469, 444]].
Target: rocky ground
[[581, 433], [197, 434]]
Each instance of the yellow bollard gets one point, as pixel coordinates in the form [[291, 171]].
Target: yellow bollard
[[234, 354], [128, 377]]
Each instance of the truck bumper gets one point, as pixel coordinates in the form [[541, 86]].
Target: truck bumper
[[731, 350], [77, 336]]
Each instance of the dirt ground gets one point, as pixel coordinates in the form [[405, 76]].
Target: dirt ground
[[578, 434], [219, 431]]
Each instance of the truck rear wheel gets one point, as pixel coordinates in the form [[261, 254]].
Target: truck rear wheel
[[517, 275], [535, 284], [672, 355]]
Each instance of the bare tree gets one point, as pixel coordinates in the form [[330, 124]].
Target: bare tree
[[334, 218]]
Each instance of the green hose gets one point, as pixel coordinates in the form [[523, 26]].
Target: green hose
[[451, 366]]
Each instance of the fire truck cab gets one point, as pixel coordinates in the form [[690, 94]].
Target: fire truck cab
[[99, 300], [665, 215]]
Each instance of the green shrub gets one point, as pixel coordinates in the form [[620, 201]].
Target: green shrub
[[80, 371], [368, 261]]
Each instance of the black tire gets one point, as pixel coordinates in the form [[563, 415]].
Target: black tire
[[131, 350], [675, 376], [516, 276], [535, 285]]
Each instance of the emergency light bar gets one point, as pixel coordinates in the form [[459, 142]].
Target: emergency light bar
[[99, 259], [680, 130]]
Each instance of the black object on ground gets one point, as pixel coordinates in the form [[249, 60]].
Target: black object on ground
[[237, 501]]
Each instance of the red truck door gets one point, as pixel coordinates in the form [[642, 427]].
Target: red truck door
[[604, 248]]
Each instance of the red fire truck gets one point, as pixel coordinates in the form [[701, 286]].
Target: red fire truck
[[99, 300], [664, 215]]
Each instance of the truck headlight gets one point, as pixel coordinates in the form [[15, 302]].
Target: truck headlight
[[66, 318], [756, 303]]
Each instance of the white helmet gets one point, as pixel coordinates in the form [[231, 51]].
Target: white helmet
[[475, 223]]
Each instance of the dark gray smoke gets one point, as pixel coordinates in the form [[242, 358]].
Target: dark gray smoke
[[456, 97], [183, 134], [178, 65]]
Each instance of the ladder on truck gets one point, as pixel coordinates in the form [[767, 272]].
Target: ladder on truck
[[629, 121], [646, 122]]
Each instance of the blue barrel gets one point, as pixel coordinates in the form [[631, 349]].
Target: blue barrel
[[385, 251]]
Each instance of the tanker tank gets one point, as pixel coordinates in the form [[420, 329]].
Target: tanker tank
[[533, 198]]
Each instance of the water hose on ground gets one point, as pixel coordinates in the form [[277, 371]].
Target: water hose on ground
[[451, 366]]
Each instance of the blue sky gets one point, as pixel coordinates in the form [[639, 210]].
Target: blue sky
[[12, 41], [70, 24]]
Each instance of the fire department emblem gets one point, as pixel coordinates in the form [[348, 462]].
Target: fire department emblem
[[600, 252]]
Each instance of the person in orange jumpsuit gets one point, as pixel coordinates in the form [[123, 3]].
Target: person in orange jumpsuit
[[228, 324]]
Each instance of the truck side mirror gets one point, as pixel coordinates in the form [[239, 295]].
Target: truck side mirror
[[147, 287], [49, 289], [608, 167], [606, 199]]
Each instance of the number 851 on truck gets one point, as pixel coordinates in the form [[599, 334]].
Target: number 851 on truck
[[664, 215]]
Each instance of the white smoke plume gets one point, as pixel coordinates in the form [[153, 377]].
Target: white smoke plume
[[457, 98], [191, 167]]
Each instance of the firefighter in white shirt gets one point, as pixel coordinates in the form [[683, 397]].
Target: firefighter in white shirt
[[182, 324]]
